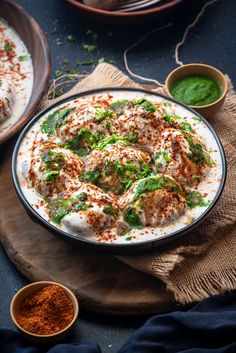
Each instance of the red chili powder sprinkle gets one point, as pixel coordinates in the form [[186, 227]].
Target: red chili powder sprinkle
[[47, 311]]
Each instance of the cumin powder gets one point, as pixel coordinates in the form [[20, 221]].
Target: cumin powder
[[47, 311]]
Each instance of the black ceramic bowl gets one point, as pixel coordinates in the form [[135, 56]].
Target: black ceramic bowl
[[131, 247]]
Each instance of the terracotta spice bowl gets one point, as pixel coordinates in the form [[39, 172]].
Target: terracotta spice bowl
[[31, 289]]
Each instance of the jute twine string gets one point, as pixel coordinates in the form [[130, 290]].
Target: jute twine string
[[69, 78], [192, 25], [158, 83], [177, 48]]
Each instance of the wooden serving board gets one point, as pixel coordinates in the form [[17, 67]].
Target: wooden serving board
[[101, 282]]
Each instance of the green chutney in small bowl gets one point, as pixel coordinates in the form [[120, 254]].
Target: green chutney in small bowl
[[202, 87]]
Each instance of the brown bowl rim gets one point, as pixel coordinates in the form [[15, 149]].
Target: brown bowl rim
[[76, 309], [112, 14], [222, 96], [45, 73]]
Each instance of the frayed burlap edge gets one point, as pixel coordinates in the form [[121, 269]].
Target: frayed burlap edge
[[104, 75], [167, 265], [171, 266]]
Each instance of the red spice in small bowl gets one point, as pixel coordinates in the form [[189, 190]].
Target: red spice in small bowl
[[46, 312]]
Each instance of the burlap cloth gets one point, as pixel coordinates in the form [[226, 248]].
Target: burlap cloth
[[205, 262]]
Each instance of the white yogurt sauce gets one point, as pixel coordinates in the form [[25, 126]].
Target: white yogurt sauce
[[16, 77], [209, 186]]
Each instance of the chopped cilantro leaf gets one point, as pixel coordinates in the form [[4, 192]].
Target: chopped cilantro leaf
[[65, 62], [128, 238], [168, 118], [133, 137], [131, 217], [83, 196], [89, 47], [110, 210], [7, 47], [199, 120], [102, 114], [54, 30], [101, 60], [91, 177], [83, 142], [186, 127], [58, 41], [51, 158], [146, 105], [153, 183], [196, 177], [59, 207], [119, 105], [164, 155], [112, 139], [23, 57], [197, 154], [127, 173], [87, 62], [71, 38], [52, 164], [92, 34], [54, 120], [58, 73], [51, 175], [195, 199], [48, 125], [166, 104]]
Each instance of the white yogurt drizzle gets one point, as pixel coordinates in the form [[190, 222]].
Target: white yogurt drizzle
[[209, 185], [16, 77]]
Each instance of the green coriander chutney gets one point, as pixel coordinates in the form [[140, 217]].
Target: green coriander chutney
[[195, 90]]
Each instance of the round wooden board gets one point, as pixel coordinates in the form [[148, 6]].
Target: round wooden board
[[101, 282]]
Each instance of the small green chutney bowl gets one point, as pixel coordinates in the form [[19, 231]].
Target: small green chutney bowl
[[208, 71]]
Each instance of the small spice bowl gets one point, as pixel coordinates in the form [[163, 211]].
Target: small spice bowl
[[207, 71], [31, 289]]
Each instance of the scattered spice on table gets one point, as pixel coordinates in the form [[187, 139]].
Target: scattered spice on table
[[47, 311]]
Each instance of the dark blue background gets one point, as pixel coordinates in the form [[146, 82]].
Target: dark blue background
[[211, 42]]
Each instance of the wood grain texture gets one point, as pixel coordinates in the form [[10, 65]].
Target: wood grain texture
[[36, 43], [101, 282]]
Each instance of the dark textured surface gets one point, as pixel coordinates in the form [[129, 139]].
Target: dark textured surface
[[211, 42]]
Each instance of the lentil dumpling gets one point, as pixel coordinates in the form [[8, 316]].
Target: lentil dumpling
[[156, 200], [116, 166], [143, 118], [182, 156], [81, 126], [86, 208], [54, 169]]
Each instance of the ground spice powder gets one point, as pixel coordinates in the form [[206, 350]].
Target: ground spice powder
[[46, 312]]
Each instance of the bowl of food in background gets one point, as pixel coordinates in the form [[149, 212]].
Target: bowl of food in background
[[45, 311], [106, 11], [25, 67], [202, 87]]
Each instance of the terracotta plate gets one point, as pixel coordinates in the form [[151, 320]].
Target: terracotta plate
[[36, 43], [160, 11]]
